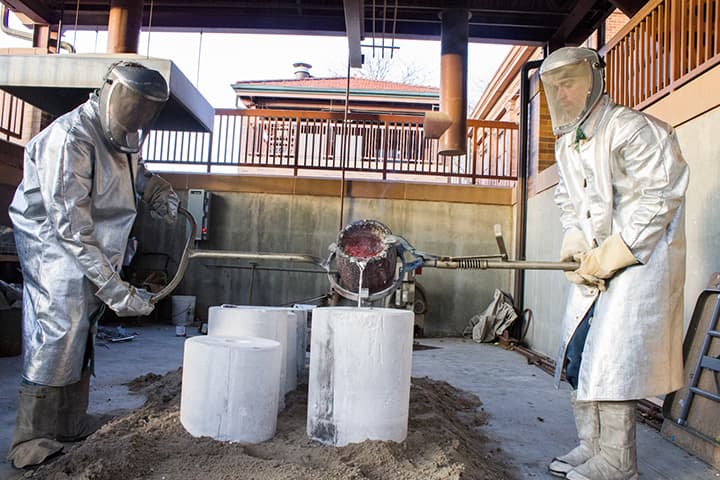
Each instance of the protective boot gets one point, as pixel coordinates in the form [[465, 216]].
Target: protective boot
[[617, 459], [35, 426], [74, 423], [587, 423]]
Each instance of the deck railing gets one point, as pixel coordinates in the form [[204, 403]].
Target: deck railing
[[665, 45], [324, 143], [12, 116]]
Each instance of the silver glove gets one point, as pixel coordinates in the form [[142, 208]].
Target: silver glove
[[124, 299], [161, 198]]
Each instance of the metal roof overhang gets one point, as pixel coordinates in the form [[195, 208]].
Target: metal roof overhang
[[59, 83]]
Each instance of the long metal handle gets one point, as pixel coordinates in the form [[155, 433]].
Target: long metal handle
[[470, 263], [182, 266], [281, 257]]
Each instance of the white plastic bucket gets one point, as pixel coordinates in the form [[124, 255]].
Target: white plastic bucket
[[183, 309]]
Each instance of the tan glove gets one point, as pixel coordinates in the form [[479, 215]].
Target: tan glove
[[587, 280], [574, 245], [604, 261]]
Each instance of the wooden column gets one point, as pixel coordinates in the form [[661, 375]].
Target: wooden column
[[124, 26]]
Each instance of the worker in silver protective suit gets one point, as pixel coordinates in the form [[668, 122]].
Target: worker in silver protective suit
[[621, 197], [72, 215]]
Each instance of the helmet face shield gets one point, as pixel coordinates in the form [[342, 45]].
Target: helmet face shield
[[130, 102], [573, 83]]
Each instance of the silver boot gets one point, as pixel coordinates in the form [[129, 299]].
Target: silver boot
[[35, 426], [587, 423], [74, 423], [617, 459]]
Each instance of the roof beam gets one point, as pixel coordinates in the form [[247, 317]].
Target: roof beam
[[629, 7], [35, 10], [571, 22]]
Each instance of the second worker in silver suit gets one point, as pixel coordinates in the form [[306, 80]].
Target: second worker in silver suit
[[73, 213], [621, 190]]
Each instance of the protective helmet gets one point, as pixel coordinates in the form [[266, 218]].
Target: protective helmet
[[130, 100], [574, 81]]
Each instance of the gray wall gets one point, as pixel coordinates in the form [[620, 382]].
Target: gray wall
[[546, 292], [308, 224], [699, 140]]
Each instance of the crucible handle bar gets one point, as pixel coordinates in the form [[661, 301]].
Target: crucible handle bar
[[481, 263], [189, 253]]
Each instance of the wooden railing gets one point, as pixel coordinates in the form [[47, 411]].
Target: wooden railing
[[665, 45], [323, 143], [12, 116]]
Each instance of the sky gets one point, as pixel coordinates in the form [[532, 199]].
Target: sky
[[213, 61]]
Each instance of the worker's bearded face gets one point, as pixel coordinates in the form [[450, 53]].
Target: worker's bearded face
[[568, 90]]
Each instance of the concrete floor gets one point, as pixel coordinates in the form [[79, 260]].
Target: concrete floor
[[530, 420]]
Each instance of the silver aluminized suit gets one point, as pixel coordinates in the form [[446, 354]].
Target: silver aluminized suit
[[627, 176], [72, 214]]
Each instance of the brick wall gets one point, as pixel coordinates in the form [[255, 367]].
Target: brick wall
[[614, 23]]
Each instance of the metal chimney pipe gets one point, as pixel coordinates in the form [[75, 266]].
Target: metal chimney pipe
[[302, 70], [124, 26], [453, 79]]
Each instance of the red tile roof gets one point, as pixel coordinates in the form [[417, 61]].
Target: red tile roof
[[356, 83]]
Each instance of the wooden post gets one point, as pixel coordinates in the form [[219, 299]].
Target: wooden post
[[124, 26]]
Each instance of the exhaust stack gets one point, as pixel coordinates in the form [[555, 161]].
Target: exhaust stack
[[452, 118]]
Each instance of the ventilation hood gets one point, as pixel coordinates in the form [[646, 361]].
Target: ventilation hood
[[59, 83]]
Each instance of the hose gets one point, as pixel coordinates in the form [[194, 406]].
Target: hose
[[184, 259]]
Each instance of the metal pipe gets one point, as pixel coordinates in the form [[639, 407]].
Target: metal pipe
[[453, 79], [282, 257], [124, 23], [7, 30], [482, 264], [522, 186], [273, 269]]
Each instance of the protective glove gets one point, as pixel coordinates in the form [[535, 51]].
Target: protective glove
[[604, 261], [124, 299], [587, 280], [574, 245], [162, 199]]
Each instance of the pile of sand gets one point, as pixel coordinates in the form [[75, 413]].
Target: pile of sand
[[443, 442]]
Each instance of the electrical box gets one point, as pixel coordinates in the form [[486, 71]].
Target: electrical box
[[199, 208]]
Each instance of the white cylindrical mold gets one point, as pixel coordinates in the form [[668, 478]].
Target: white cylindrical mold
[[264, 322], [230, 388], [360, 366]]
